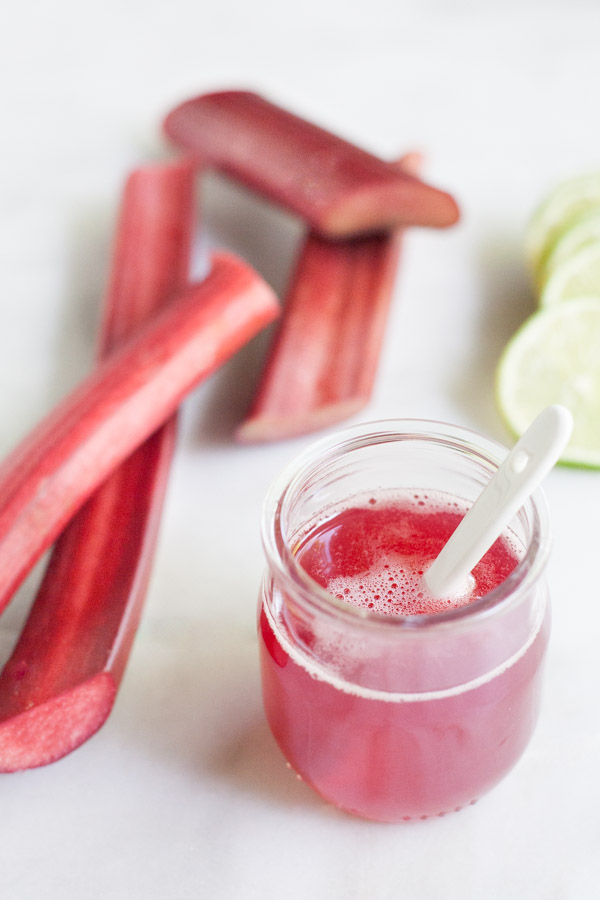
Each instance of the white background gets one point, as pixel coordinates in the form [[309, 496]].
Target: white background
[[183, 793]]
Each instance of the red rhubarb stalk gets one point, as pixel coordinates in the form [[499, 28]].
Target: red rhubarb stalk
[[323, 360], [339, 189], [60, 682], [51, 474]]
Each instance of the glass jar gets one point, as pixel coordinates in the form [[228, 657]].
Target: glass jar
[[398, 717]]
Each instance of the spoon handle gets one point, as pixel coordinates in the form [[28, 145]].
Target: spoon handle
[[526, 465]]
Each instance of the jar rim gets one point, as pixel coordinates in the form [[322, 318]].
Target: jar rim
[[284, 562]]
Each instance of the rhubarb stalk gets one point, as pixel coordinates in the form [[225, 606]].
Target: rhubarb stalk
[[59, 684], [339, 189], [129, 395], [322, 363]]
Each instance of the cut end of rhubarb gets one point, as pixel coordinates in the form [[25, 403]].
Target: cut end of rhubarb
[[407, 202], [45, 733], [263, 428]]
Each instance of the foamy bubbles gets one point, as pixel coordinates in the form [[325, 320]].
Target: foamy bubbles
[[394, 587]]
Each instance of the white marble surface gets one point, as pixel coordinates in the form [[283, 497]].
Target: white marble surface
[[183, 794]]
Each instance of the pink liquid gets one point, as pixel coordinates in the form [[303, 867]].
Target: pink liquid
[[383, 756]]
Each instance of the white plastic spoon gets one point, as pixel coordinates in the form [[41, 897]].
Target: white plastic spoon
[[526, 465]]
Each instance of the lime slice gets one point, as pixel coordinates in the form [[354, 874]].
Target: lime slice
[[576, 276], [582, 231], [562, 205], [555, 358]]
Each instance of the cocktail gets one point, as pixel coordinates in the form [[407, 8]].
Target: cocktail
[[391, 703]]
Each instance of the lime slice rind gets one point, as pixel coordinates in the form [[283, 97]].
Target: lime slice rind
[[577, 276], [555, 358], [562, 205], [581, 231]]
